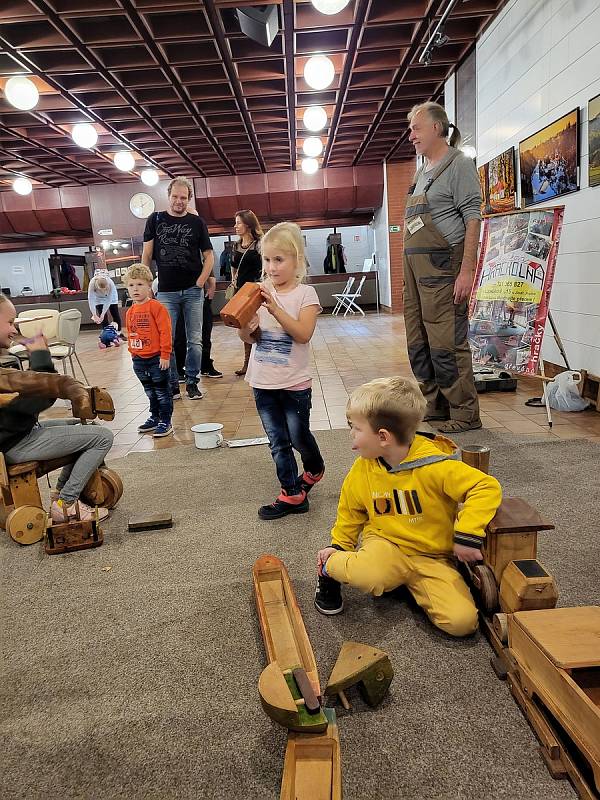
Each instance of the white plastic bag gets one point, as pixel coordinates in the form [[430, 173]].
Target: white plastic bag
[[562, 393]]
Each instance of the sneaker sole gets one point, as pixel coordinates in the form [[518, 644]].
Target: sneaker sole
[[327, 612], [162, 435], [146, 430], [194, 398], [284, 514]]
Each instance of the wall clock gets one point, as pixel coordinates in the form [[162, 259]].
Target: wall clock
[[141, 205]]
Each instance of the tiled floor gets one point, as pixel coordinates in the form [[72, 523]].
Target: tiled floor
[[346, 353]]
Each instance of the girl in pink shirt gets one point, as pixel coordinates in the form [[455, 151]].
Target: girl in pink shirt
[[279, 371]]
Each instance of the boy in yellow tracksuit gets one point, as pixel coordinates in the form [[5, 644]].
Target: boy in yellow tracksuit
[[417, 506]]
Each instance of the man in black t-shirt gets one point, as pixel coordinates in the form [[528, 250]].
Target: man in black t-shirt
[[179, 243]]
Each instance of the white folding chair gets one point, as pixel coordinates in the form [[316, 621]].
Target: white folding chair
[[349, 300], [338, 297], [44, 320], [69, 323]]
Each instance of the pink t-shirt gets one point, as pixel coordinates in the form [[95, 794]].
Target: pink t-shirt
[[277, 361]]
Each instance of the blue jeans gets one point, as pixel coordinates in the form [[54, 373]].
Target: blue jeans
[[285, 416], [156, 385], [188, 302]]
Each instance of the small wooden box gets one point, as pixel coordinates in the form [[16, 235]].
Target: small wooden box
[[238, 312], [526, 586], [66, 537]]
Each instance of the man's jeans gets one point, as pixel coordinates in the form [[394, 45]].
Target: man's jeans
[[156, 385], [285, 416], [54, 438], [188, 302]]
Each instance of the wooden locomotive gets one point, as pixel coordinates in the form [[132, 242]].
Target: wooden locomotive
[[549, 656]]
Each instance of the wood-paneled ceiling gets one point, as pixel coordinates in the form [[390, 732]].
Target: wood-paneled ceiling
[[177, 82]]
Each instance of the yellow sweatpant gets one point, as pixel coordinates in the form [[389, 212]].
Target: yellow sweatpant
[[380, 566]]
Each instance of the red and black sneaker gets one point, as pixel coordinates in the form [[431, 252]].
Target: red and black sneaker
[[308, 480], [284, 505]]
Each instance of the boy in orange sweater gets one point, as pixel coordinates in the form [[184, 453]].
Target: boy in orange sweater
[[149, 342]]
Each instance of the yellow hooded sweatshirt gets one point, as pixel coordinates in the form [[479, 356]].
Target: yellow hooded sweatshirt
[[416, 504]]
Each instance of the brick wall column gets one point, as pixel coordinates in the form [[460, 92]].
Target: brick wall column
[[399, 179]]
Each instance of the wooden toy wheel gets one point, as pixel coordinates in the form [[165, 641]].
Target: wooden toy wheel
[[500, 625], [485, 584], [112, 485], [27, 524]]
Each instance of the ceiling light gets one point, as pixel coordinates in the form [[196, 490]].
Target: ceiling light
[[315, 118], [310, 165], [21, 93], [330, 6], [22, 186], [319, 72], [312, 146], [124, 245], [116, 252], [124, 160], [105, 244], [469, 151], [84, 135], [149, 177]]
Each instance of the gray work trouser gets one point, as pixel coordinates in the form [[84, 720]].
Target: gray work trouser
[[55, 438]]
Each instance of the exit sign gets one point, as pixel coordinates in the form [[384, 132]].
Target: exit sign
[[394, 228]]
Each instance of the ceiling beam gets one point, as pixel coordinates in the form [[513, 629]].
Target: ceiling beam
[[417, 43], [214, 20], [72, 37], [361, 11], [140, 25], [290, 75]]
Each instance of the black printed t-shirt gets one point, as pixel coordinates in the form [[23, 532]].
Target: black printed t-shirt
[[178, 246]]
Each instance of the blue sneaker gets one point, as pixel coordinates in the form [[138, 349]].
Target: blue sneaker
[[148, 426], [162, 429]]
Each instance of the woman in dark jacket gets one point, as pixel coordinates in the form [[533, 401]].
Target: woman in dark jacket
[[23, 438], [247, 261]]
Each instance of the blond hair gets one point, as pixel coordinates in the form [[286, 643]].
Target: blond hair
[[437, 114], [138, 272], [101, 284], [182, 181], [287, 236], [394, 404]]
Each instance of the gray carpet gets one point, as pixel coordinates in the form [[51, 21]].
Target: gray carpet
[[140, 681]]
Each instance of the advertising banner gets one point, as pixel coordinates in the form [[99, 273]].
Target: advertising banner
[[511, 291]]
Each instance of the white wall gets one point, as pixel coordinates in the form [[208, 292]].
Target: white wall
[[382, 247], [35, 266], [536, 62]]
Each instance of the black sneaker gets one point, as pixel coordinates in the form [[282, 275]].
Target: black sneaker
[[328, 596], [308, 480], [193, 392], [282, 507], [211, 372]]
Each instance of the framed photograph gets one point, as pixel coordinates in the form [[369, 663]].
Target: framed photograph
[[594, 140], [498, 184], [549, 161]]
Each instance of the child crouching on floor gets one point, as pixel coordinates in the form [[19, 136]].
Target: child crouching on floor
[[279, 370], [403, 494], [149, 341]]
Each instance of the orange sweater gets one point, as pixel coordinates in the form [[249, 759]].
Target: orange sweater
[[149, 330]]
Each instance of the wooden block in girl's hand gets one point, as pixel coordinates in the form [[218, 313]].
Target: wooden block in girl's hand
[[238, 312], [150, 522]]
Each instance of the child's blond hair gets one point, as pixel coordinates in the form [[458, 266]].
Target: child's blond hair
[[394, 404], [101, 284], [138, 272], [287, 236]]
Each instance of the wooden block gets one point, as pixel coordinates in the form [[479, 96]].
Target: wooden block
[[476, 455], [310, 698], [525, 586], [515, 515], [150, 522], [238, 312], [364, 665]]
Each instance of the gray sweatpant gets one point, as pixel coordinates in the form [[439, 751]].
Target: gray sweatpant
[[54, 438]]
